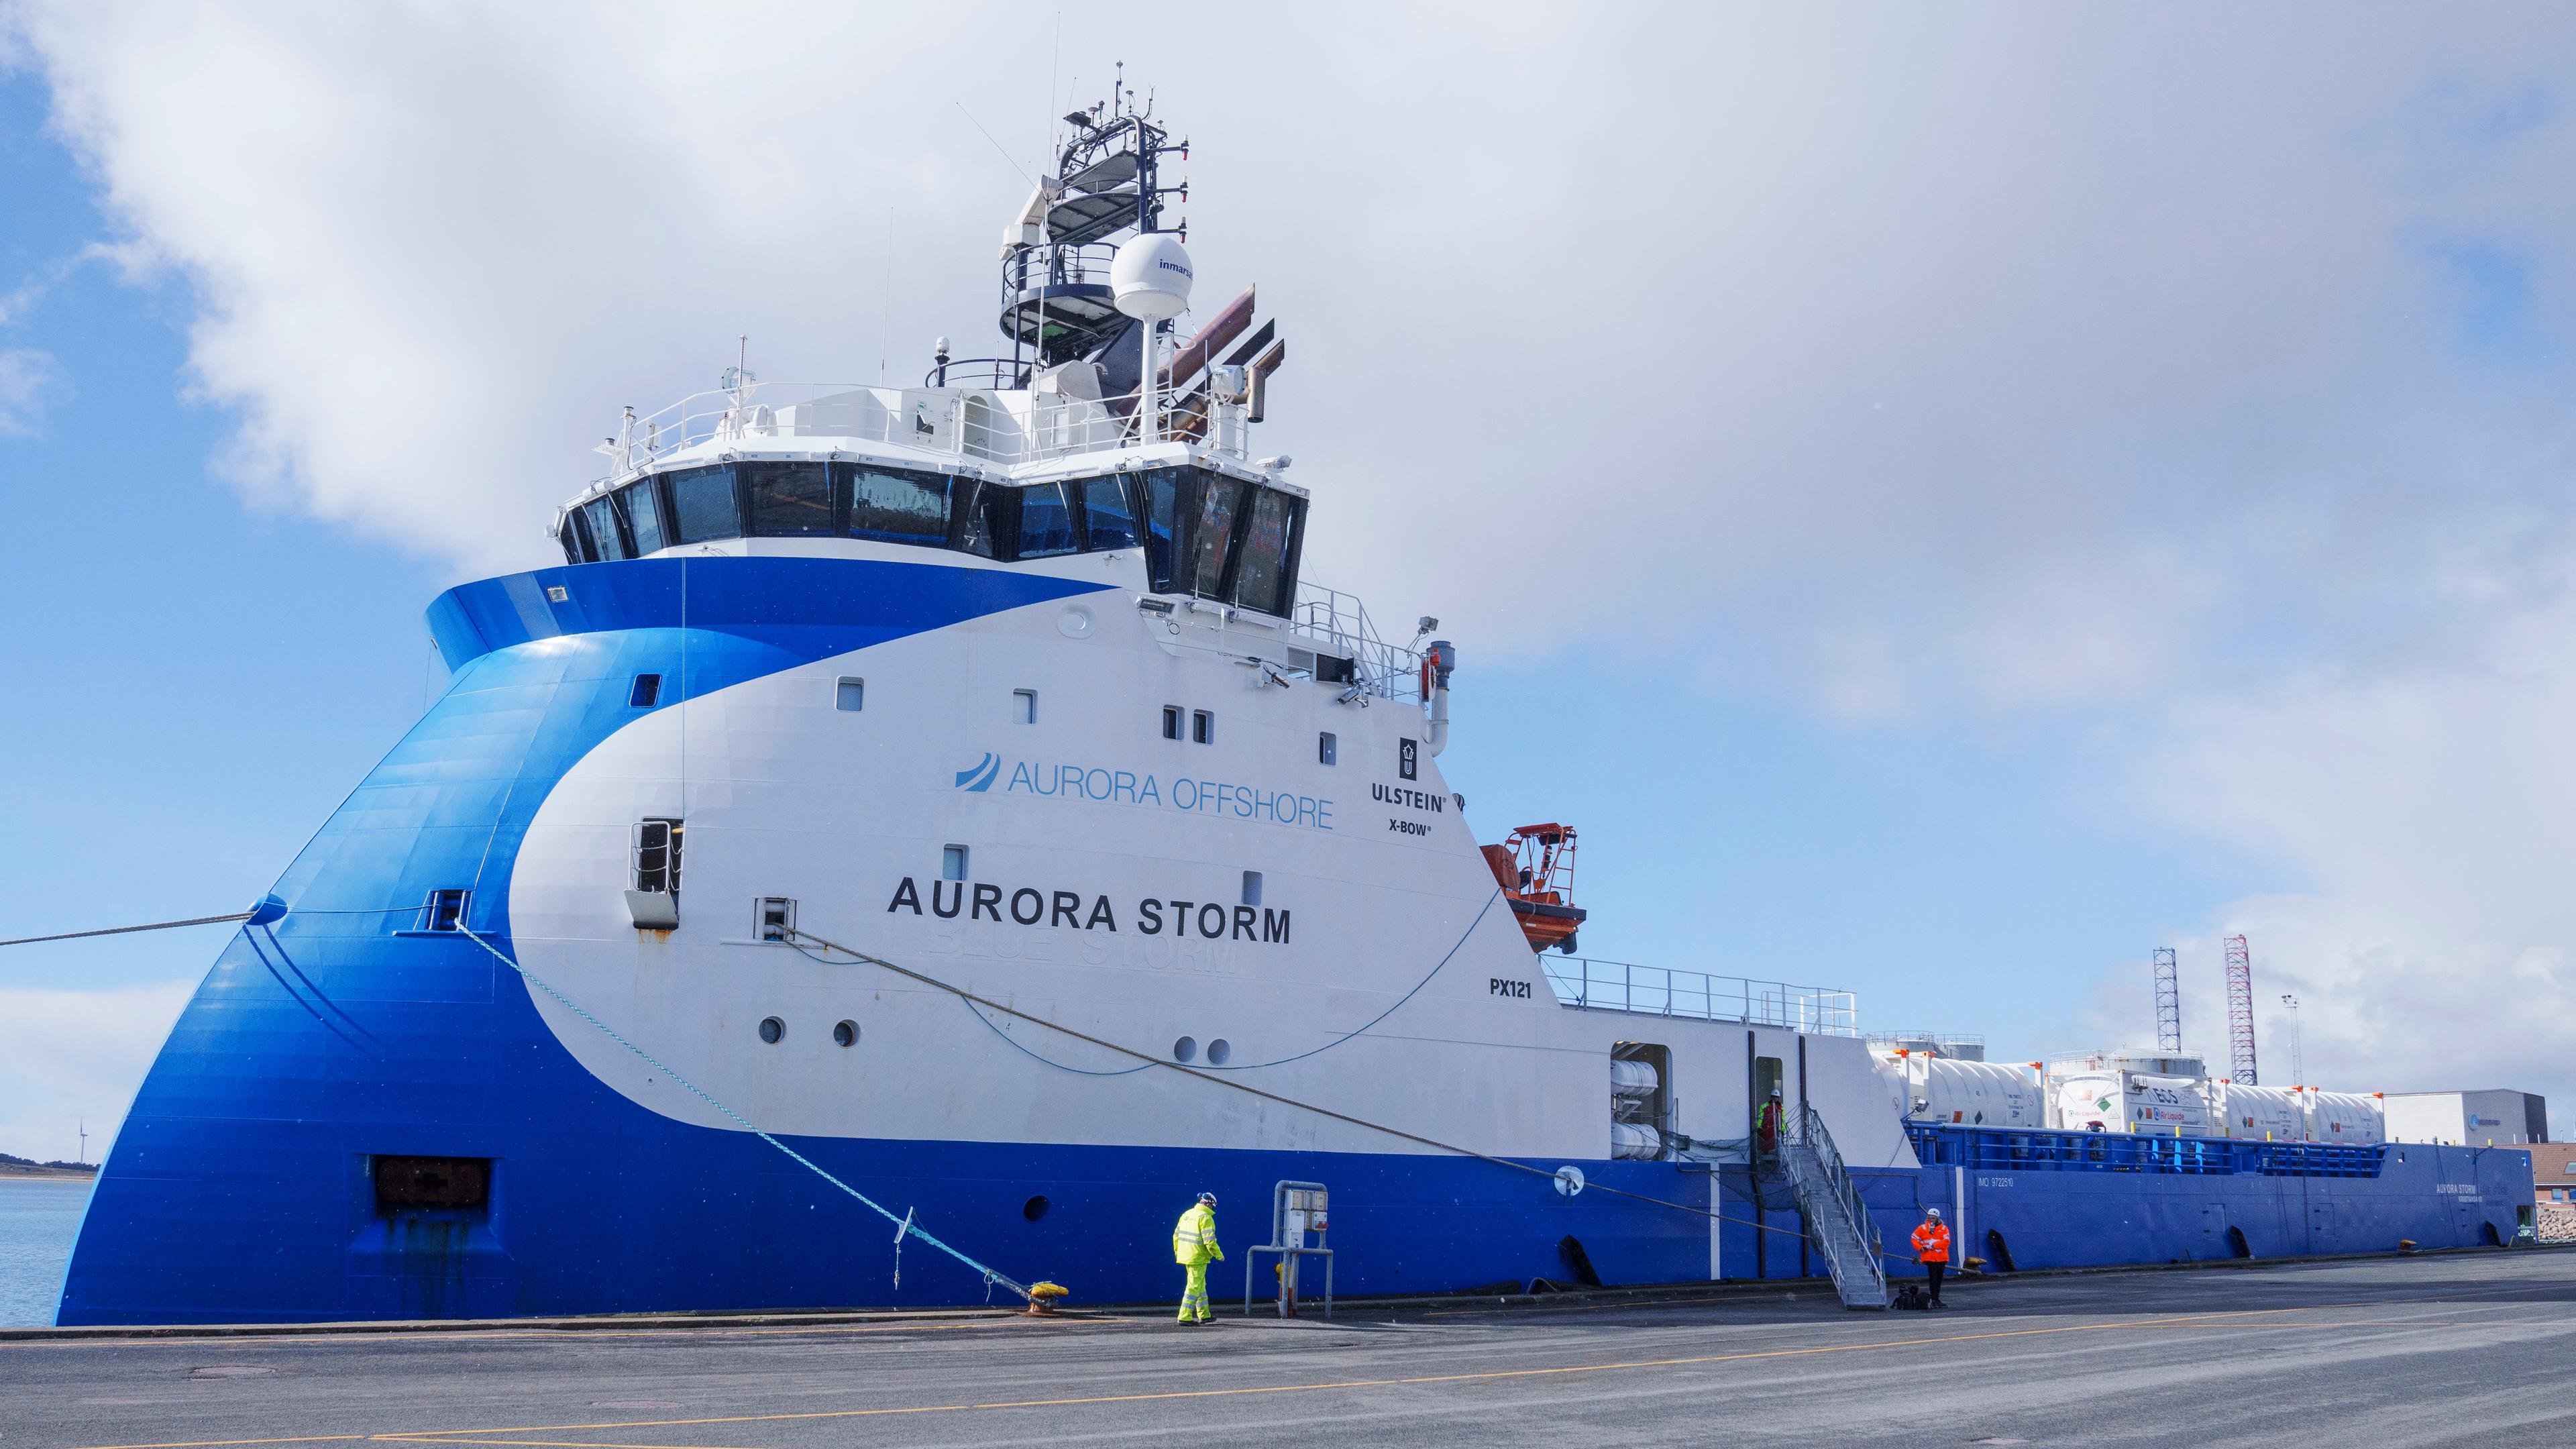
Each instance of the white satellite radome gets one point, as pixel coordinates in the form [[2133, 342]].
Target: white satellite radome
[[1151, 276]]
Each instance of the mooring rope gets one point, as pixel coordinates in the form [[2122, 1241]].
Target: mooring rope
[[1148, 1059], [906, 1222]]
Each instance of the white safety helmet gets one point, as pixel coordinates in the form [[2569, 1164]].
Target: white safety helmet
[[1933, 1213], [1209, 1198]]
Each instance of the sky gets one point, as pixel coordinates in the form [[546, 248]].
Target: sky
[[1945, 501]]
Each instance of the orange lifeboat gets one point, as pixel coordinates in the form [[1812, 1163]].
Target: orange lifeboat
[[1535, 868]]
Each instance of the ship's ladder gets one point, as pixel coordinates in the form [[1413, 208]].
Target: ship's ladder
[[1838, 1222]]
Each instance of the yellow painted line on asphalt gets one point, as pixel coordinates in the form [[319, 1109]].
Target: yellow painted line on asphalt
[[468, 1436], [480, 1436]]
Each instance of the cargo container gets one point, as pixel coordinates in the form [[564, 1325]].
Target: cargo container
[[1931, 1088], [2346, 1117], [2258, 1114], [2118, 1101]]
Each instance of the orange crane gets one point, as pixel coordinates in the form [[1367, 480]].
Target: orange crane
[[1535, 868]]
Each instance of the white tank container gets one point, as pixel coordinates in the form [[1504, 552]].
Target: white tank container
[[1956, 1093], [2117, 1101], [2349, 1118], [2257, 1114]]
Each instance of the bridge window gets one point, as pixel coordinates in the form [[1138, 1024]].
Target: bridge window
[[1108, 516], [569, 535], [1046, 524], [890, 507], [1162, 524], [643, 516], [788, 500], [1261, 575], [702, 504], [600, 514], [984, 519], [1212, 533]]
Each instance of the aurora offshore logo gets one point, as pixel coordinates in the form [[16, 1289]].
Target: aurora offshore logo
[[1067, 781]]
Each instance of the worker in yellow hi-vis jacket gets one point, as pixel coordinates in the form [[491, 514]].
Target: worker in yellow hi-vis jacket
[[1194, 1247]]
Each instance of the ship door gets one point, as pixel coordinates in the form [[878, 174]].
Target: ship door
[[1641, 1099], [1768, 1121]]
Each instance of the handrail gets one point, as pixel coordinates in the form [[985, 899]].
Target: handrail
[[1341, 623], [1838, 1180], [1594, 985]]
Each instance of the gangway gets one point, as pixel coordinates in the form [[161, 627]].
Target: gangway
[[1838, 1222]]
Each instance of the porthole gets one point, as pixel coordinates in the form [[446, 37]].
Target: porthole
[[1219, 1052], [846, 1033], [1034, 1209], [771, 1029], [1186, 1049]]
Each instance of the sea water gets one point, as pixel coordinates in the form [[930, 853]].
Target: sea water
[[38, 1218]]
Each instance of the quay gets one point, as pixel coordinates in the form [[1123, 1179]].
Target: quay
[[2452, 1348]]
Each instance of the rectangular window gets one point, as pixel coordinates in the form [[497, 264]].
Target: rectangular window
[[1171, 721], [425, 1184], [657, 856], [702, 504], [952, 862], [1328, 750], [1046, 524], [788, 500], [775, 919], [444, 910], [1162, 521], [1202, 727], [1107, 515], [1261, 579], [601, 515], [1212, 533], [983, 518], [570, 537], [850, 695], [647, 691], [643, 512], [1024, 706], [890, 507], [1252, 887]]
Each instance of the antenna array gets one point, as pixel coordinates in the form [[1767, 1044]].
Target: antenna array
[[2168, 1003], [2240, 1012]]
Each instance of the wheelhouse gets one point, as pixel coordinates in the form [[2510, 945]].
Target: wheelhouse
[[1202, 532]]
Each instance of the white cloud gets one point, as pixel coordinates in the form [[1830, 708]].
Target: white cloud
[[30, 382], [2198, 371], [68, 1057]]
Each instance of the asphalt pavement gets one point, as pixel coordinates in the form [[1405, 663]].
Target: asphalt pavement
[[2442, 1350]]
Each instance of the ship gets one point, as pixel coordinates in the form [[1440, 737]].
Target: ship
[[922, 837]]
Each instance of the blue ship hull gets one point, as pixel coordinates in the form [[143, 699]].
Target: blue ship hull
[[240, 1187]]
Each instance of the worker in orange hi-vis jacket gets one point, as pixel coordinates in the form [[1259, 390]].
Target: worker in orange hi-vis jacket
[[1932, 1249]]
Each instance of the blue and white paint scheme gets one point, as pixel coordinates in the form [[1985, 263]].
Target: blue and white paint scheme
[[1009, 679]]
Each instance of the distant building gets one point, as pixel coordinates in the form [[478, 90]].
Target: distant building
[[2469, 1119], [2553, 1171]]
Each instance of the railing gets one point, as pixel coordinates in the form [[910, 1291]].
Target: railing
[[1838, 1178], [1592, 985], [1339, 623], [1864, 1282], [962, 420], [1992, 1150]]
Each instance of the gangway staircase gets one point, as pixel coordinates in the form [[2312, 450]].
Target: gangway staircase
[[1838, 1223]]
